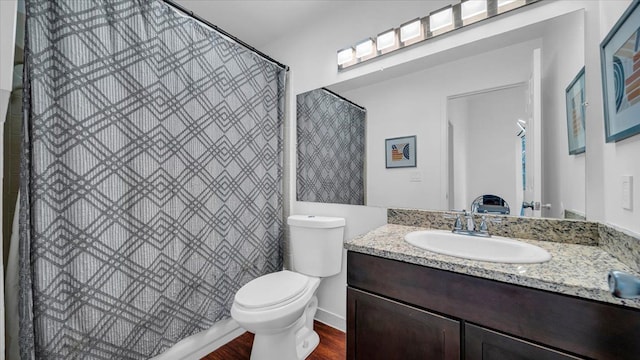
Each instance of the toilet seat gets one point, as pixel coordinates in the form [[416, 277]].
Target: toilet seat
[[272, 290]]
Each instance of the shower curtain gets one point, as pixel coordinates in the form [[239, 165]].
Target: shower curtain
[[151, 178]]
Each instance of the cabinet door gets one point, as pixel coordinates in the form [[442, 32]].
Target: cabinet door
[[481, 343], [379, 328]]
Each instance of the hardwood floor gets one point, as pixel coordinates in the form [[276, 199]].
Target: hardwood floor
[[332, 346]]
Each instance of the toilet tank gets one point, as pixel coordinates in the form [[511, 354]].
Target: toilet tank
[[316, 244]]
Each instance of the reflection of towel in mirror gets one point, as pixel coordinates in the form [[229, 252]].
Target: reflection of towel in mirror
[[17, 77]]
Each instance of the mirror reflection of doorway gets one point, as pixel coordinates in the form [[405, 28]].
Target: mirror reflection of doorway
[[450, 192], [487, 150]]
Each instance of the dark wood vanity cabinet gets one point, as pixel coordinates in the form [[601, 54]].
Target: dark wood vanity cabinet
[[397, 310]]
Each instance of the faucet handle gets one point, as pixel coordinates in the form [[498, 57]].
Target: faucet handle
[[483, 225], [457, 225]]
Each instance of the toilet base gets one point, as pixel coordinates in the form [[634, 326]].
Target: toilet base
[[293, 343], [307, 340], [287, 345]]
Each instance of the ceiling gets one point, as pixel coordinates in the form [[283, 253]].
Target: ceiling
[[260, 22]]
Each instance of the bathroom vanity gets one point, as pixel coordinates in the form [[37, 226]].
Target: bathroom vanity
[[408, 303]]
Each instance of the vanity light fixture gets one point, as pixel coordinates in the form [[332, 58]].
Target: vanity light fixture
[[411, 32], [386, 41], [441, 21], [364, 48], [505, 2], [472, 11], [345, 56], [506, 5]]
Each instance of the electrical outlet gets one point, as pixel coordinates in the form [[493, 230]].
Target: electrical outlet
[[627, 192], [416, 176]]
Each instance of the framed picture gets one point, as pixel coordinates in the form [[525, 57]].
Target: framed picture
[[575, 114], [400, 152], [620, 60]]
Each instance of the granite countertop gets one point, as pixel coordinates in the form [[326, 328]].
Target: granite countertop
[[577, 270]]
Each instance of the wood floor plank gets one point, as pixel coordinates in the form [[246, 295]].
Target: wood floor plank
[[332, 346]]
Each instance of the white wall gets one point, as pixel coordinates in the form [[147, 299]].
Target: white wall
[[606, 162], [563, 174], [620, 158], [8, 10]]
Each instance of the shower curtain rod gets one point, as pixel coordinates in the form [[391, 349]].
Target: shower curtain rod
[[345, 99], [221, 31]]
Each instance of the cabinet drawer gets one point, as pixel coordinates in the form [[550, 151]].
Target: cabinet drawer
[[484, 344], [379, 328]]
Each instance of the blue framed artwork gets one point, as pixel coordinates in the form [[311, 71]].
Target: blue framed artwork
[[620, 60], [575, 114], [400, 152]]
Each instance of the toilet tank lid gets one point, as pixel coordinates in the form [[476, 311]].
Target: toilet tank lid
[[312, 221]]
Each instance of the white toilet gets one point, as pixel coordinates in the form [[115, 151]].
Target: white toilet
[[279, 307]]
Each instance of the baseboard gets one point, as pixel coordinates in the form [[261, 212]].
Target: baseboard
[[196, 346], [331, 319]]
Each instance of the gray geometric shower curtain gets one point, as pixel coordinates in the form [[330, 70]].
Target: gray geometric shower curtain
[[151, 178], [331, 149]]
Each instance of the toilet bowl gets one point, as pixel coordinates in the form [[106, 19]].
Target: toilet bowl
[[279, 308]]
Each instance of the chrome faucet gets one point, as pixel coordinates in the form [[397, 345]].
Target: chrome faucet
[[458, 227]]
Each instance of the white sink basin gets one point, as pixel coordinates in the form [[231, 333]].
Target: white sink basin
[[493, 249]]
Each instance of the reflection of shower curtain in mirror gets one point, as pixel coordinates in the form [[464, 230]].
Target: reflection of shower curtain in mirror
[[151, 185], [331, 149]]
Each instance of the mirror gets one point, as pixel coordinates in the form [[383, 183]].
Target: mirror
[[426, 98]]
